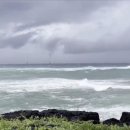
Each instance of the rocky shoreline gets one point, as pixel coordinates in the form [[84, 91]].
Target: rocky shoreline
[[69, 115]]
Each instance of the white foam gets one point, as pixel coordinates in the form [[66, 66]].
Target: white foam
[[66, 69], [38, 85]]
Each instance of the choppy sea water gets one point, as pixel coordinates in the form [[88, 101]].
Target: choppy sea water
[[104, 88]]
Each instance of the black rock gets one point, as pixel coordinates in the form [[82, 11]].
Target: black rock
[[69, 115], [90, 116], [72, 115], [112, 121], [21, 114], [125, 117]]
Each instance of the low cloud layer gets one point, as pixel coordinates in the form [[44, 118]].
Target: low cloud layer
[[66, 28]]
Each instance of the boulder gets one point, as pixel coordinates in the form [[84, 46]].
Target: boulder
[[125, 118], [21, 114], [112, 121], [69, 115], [72, 115], [90, 116]]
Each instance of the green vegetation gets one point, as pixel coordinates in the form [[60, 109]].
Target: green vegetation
[[54, 124]]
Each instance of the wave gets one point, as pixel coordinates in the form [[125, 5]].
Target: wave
[[39, 85], [92, 68]]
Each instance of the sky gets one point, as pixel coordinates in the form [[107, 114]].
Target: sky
[[64, 31]]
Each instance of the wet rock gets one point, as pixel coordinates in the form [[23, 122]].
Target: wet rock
[[90, 116], [112, 121], [72, 115], [21, 114], [125, 118], [69, 115]]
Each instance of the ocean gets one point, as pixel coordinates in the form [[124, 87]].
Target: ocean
[[103, 88]]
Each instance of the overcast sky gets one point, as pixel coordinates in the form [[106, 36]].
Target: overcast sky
[[64, 31]]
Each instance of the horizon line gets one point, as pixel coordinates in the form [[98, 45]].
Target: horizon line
[[63, 63]]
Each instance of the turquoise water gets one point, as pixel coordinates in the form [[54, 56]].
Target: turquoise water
[[104, 88]]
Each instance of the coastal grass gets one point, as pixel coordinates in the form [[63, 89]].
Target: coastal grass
[[54, 123]]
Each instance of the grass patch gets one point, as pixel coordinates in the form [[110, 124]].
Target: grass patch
[[54, 124]]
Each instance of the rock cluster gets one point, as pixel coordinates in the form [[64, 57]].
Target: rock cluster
[[125, 119], [69, 115]]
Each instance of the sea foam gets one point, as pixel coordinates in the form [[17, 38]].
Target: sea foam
[[38, 85], [66, 68]]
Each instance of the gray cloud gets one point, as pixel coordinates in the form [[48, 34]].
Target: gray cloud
[[15, 42], [66, 27], [39, 12]]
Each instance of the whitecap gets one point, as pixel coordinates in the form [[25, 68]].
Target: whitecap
[[39, 85]]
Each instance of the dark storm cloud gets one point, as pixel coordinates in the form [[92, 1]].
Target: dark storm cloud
[[44, 12], [15, 42], [32, 14], [71, 27], [13, 11]]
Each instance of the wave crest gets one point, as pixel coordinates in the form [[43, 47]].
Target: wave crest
[[92, 68], [38, 85]]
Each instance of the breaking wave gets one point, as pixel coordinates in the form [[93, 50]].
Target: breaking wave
[[38, 85], [92, 68]]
